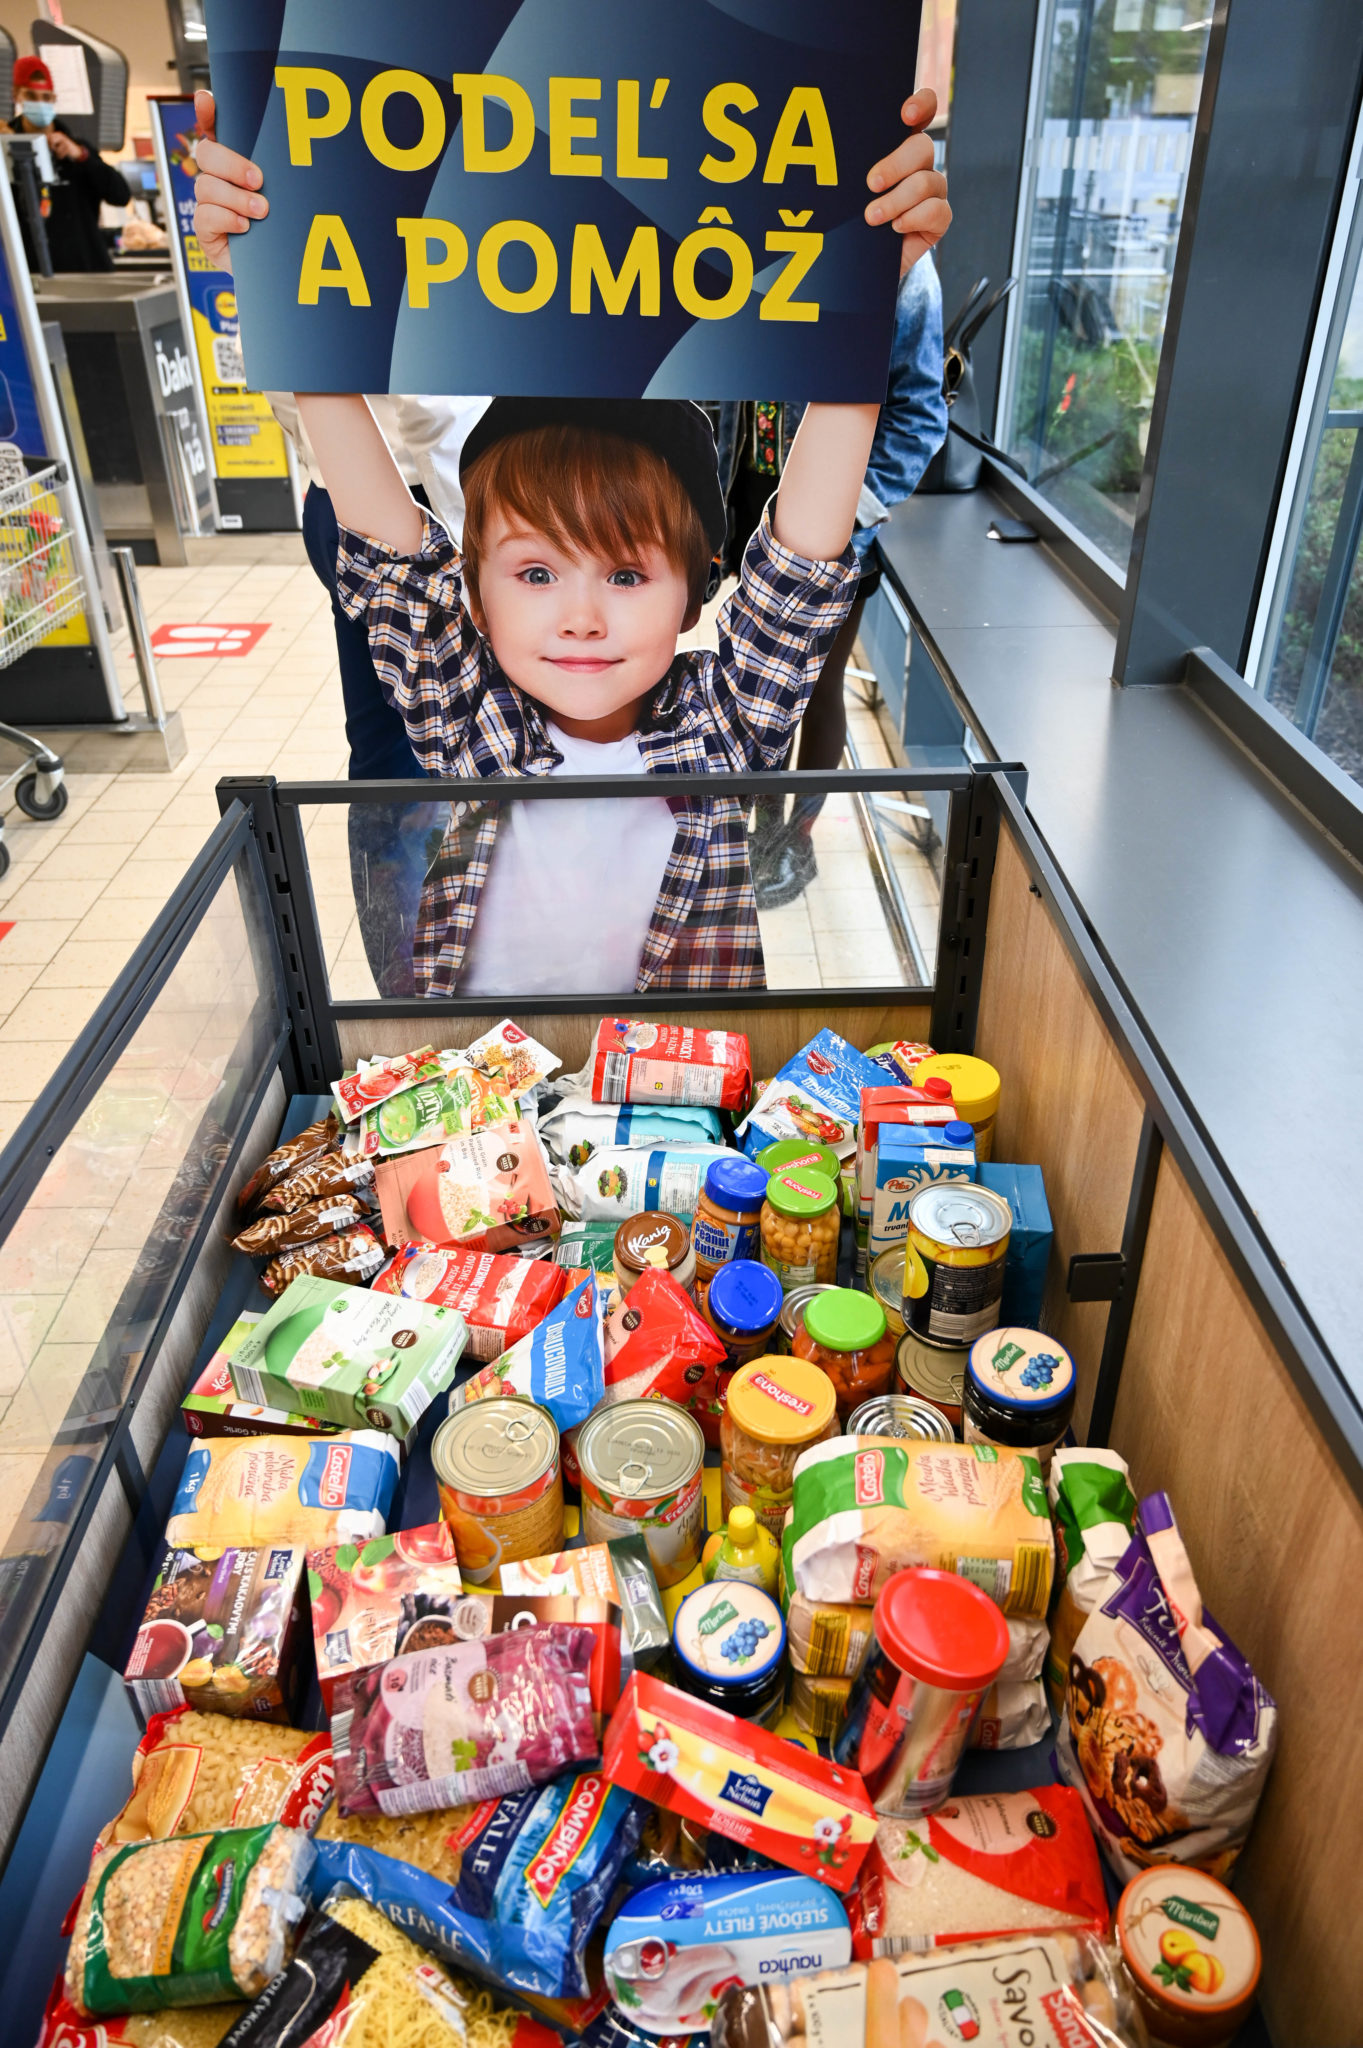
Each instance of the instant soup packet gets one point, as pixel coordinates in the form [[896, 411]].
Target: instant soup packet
[[467, 1088], [1167, 1734]]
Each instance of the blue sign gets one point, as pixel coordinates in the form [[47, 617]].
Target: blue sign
[[19, 418], [609, 198]]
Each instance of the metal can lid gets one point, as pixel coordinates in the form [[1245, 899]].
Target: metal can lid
[[640, 1449], [650, 1232], [736, 1183], [782, 1400], [1022, 1368], [729, 1632], [793, 1309], [495, 1447], [801, 1192], [957, 1212], [745, 1296], [900, 1415], [975, 1085], [934, 1371]]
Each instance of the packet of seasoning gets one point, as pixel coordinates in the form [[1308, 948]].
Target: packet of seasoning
[[269, 1235], [332, 1174], [374, 1081], [311, 1144], [353, 1255]]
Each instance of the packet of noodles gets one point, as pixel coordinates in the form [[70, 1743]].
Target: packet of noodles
[[322, 1137], [353, 1255], [332, 1174], [269, 1235], [193, 1772], [189, 2026]]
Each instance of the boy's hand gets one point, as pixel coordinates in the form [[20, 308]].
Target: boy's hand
[[227, 190], [913, 196]]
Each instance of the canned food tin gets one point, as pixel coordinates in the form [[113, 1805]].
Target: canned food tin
[[1019, 1392], [900, 1415], [934, 1373], [793, 1309], [640, 1471], [886, 1281], [497, 1471], [953, 1261]]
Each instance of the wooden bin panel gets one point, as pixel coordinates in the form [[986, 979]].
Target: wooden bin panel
[[1069, 1104], [1208, 1414]]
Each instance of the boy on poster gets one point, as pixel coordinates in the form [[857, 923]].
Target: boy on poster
[[548, 644]]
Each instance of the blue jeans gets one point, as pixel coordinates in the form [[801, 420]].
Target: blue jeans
[[391, 846]]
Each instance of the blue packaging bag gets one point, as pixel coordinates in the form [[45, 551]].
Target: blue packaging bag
[[1029, 1246], [560, 1363], [816, 1096]]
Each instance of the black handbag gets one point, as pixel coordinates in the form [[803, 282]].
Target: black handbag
[[957, 464]]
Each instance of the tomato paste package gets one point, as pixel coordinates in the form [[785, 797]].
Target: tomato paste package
[[816, 1095], [634, 1060], [514, 1887], [440, 1727], [737, 1780], [487, 1191], [380, 1599], [560, 1364], [375, 1081], [659, 1345], [996, 1864], [576, 1127], [501, 1297]]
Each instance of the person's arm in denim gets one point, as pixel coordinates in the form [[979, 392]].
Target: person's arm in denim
[[913, 419]]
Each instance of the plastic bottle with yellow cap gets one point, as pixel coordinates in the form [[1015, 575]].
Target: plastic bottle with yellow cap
[[744, 1549], [975, 1090]]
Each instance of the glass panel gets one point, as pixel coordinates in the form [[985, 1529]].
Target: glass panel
[[1314, 673], [1103, 204], [831, 889], [90, 1263]]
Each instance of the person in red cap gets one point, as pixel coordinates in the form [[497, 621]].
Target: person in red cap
[[71, 198]]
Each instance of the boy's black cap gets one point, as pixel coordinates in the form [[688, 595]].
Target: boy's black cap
[[674, 428]]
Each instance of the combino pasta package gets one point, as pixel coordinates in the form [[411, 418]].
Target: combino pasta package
[[864, 1509], [513, 1887], [188, 1921], [258, 1490], [357, 1981], [1000, 1863], [195, 1772], [1167, 1734], [634, 1060]]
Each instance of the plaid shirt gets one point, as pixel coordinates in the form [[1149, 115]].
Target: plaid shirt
[[728, 712]]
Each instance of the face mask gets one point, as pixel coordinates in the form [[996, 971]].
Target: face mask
[[40, 112]]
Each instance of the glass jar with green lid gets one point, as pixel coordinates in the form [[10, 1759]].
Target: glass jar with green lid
[[845, 1334], [799, 1153], [799, 1227]]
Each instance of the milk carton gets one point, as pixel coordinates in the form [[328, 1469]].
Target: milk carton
[[908, 1156], [890, 1105]]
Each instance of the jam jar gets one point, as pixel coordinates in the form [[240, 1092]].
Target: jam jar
[[845, 1334]]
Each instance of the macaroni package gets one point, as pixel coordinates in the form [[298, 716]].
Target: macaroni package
[[514, 1887], [257, 1490], [195, 1772], [559, 1364], [634, 1060], [190, 2026]]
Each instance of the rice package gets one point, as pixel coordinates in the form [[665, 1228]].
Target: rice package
[[864, 1509], [514, 1887], [471, 1721], [635, 1060], [999, 1863], [816, 1095], [616, 1184], [257, 1490], [560, 1364], [349, 1356], [189, 1921], [194, 1772], [501, 1297], [659, 1346], [356, 1980], [486, 1191], [1167, 1734], [577, 1127], [1093, 1511]]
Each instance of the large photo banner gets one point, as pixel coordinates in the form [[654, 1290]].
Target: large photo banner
[[576, 198]]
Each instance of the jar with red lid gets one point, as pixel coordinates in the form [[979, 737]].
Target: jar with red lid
[[845, 1334]]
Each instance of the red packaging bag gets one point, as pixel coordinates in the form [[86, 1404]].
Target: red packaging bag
[[501, 1297], [737, 1780], [659, 1346], [487, 1191], [634, 1060]]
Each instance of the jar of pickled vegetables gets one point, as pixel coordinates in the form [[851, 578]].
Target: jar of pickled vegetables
[[776, 1408], [799, 1228], [845, 1334]]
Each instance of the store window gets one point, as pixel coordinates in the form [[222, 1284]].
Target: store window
[[1114, 105], [1311, 666]]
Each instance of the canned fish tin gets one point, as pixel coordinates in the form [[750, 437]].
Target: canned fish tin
[[953, 1261], [934, 1373], [900, 1415], [793, 1310], [640, 1464], [497, 1471]]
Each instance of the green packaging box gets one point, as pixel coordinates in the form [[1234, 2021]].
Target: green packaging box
[[348, 1356]]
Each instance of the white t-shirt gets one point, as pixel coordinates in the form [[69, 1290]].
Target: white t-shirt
[[570, 893]]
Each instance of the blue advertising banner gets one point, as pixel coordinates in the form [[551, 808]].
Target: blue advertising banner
[[575, 198], [19, 417]]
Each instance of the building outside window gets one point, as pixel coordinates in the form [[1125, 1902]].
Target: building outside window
[[1308, 654], [1114, 102]]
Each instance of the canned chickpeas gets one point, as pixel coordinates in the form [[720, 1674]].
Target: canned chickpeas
[[800, 1227]]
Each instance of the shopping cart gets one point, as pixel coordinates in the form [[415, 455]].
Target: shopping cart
[[40, 589]]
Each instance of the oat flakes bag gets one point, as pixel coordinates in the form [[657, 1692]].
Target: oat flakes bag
[[1167, 1734]]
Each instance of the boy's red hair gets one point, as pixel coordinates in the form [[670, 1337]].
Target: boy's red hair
[[590, 494]]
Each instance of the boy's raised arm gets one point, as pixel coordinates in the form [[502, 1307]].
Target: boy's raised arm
[[367, 490]]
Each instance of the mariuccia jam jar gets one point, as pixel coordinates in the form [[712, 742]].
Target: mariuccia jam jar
[[844, 1333], [800, 1227], [742, 1306], [729, 1642], [725, 1225], [776, 1408], [1019, 1392], [1192, 1954]]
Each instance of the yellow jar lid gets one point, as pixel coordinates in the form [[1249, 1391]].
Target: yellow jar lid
[[781, 1400], [975, 1085]]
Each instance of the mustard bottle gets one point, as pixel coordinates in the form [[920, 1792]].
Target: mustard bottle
[[743, 1550]]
